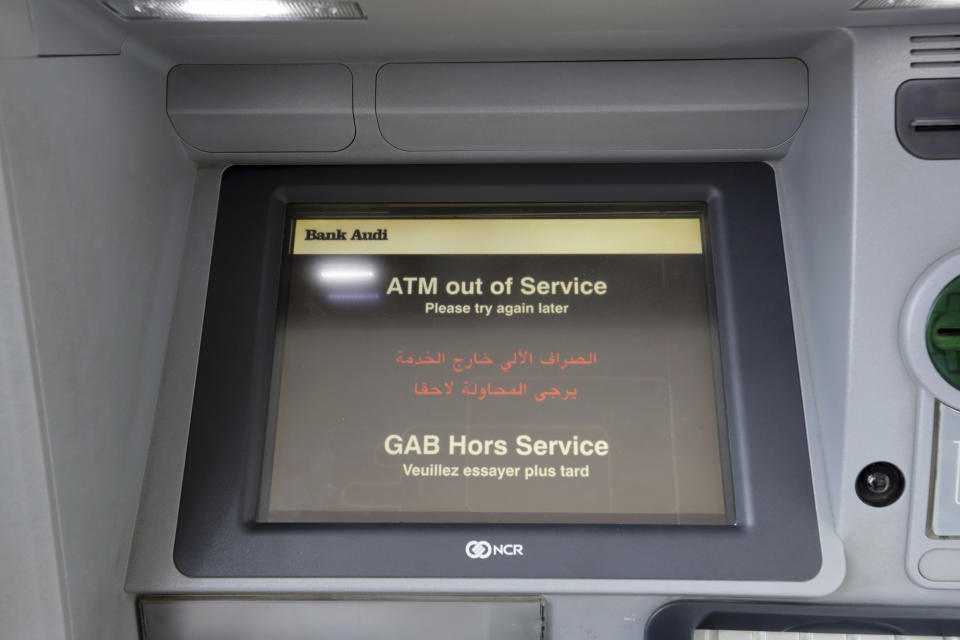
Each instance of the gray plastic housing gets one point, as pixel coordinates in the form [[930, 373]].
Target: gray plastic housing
[[216, 531], [664, 104], [262, 107], [932, 560]]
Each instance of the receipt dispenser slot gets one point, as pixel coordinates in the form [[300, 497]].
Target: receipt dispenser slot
[[928, 118]]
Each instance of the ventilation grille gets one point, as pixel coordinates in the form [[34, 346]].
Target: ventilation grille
[[942, 51]]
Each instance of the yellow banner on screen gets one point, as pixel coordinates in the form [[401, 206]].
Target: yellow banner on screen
[[385, 236]]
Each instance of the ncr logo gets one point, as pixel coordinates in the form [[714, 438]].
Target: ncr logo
[[481, 549]]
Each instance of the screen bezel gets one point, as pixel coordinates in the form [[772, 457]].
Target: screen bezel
[[485, 211], [217, 532]]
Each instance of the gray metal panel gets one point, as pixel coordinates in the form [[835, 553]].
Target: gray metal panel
[[31, 593], [693, 104], [17, 37], [303, 619], [70, 28], [262, 108], [369, 147], [816, 195], [905, 219], [99, 188]]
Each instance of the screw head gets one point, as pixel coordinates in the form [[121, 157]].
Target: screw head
[[880, 484]]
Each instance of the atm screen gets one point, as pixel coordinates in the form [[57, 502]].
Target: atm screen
[[521, 364]]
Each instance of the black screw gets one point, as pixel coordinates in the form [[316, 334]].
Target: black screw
[[880, 484]]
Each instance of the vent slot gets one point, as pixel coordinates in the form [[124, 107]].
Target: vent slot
[[935, 51], [947, 38], [935, 63]]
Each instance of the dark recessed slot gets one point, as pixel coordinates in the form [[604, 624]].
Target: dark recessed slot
[[934, 38], [934, 51], [935, 125], [944, 63], [920, 128], [948, 331]]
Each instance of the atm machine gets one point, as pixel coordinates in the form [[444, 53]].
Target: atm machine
[[487, 320]]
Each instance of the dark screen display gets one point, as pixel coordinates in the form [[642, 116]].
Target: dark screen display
[[548, 366]]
